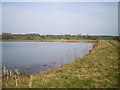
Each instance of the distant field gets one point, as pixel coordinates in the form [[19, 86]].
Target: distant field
[[98, 69], [9, 36]]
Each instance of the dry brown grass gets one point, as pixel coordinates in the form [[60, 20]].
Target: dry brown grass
[[90, 41]]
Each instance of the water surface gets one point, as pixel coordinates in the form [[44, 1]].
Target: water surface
[[33, 57]]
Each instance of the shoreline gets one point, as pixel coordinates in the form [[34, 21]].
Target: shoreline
[[81, 41]]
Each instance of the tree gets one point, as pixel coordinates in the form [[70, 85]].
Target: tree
[[7, 36]]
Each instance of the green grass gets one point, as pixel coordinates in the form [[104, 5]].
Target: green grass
[[98, 69]]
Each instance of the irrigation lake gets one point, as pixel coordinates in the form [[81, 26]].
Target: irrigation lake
[[34, 57]]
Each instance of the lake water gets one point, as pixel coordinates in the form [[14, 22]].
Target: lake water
[[34, 57]]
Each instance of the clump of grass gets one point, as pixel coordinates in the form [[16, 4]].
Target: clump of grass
[[98, 69]]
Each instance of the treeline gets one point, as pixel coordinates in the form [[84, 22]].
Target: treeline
[[36, 36]]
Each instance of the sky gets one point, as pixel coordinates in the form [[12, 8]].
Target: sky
[[100, 18], [60, 0], [0, 17]]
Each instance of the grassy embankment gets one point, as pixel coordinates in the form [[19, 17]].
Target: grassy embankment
[[98, 69]]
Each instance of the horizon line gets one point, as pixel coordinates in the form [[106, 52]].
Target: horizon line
[[63, 34]]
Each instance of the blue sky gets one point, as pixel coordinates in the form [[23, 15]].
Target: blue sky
[[60, 17]]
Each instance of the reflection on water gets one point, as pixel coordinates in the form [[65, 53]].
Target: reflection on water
[[33, 57]]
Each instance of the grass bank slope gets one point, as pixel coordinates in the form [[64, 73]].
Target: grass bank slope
[[98, 69]]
